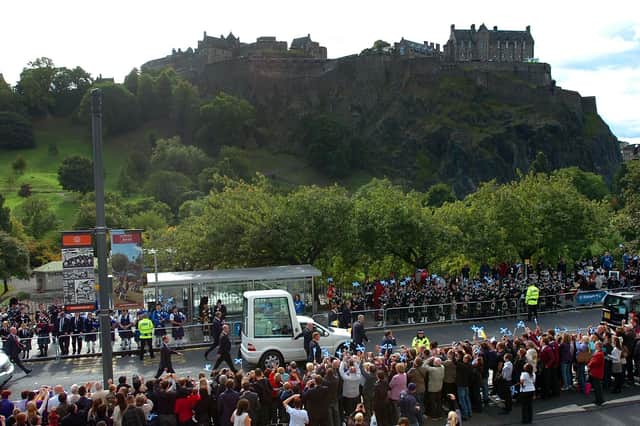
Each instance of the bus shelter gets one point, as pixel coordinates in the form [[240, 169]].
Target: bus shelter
[[186, 289]]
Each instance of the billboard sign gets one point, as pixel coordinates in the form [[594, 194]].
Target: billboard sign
[[78, 276], [127, 265]]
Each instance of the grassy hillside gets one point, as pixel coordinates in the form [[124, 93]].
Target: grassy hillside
[[42, 165]]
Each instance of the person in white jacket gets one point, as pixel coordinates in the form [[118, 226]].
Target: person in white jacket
[[351, 377], [616, 364]]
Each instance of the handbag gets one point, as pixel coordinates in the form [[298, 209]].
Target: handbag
[[583, 357]]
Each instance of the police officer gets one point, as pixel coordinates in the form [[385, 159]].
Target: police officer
[[531, 299], [420, 340], [145, 327]]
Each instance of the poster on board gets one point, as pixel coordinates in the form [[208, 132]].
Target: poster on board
[[78, 275], [127, 265]]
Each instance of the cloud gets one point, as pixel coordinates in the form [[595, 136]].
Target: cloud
[[617, 91]]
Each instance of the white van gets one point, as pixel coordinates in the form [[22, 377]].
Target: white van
[[270, 326]]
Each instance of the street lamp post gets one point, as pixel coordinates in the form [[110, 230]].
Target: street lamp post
[[101, 237]]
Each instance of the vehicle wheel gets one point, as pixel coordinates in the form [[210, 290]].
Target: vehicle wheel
[[344, 346], [272, 360]]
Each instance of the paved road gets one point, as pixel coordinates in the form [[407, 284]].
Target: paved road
[[69, 371]]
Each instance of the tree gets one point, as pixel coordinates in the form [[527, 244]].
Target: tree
[[131, 81], [226, 120], [68, 86], [185, 109], [76, 174], [14, 259], [387, 221], [164, 92], [379, 45], [36, 216], [311, 223], [168, 187], [540, 164], [35, 86], [25, 190], [16, 131], [588, 184], [327, 144], [146, 96], [114, 208], [19, 165], [5, 216], [9, 101], [119, 263], [171, 154], [120, 112], [439, 194]]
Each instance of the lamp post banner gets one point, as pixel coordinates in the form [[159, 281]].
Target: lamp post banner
[[78, 275], [127, 265]]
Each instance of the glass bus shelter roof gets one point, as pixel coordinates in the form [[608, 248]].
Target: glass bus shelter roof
[[269, 273]]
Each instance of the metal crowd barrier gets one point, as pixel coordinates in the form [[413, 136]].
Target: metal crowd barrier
[[482, 310], [198, 335]]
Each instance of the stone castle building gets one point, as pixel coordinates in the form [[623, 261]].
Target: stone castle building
[[482, 45], [212, 50], [489, 45]]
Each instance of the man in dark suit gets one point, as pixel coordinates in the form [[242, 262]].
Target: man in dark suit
[[317, 403], [358, 334], [14, 347], [216, 329], [307, 333], [224, 350], [165, 357], [77, 326], [62, 331], [314, 354]]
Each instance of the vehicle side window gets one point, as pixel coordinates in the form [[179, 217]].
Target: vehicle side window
[[272, 317], [636, 306]]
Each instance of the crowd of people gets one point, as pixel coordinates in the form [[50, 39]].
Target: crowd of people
[[497, 291], [75, 333], [389, 385]]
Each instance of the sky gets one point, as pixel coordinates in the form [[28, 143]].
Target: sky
[[593, 47]]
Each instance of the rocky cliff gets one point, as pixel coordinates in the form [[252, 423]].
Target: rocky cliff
[[423, 120]]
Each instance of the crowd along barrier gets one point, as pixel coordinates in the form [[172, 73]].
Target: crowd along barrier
[[198, 335]]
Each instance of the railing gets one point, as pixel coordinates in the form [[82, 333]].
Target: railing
[[198, 335], [480, 310]]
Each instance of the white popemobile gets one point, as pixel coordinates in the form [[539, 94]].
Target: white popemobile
[[270, 325]]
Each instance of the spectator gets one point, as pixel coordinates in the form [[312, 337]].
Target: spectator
[[297, 415], [596, 371], [527, 390]]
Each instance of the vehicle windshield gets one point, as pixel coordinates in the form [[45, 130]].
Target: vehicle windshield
[[617, 304]]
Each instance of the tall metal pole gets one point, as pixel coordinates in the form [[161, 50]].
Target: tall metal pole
[[101, 237]]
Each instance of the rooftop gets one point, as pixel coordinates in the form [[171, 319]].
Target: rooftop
[[235, 275]]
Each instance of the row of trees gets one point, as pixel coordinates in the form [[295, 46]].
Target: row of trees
[[540, 216], [252, 223]]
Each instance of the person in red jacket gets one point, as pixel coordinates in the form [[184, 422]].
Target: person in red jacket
[[596, 371], [547, 359], [184, 407]]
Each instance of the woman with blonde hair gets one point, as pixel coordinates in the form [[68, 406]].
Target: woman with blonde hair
[[452, 419], [33, 417]]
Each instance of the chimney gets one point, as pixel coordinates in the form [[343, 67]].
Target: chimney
[[205, 36], [529, 28], [495, 28], [473, 28], [437, 47], [453, 26]]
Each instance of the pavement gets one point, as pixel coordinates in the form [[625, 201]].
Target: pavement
[[570, 406]]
